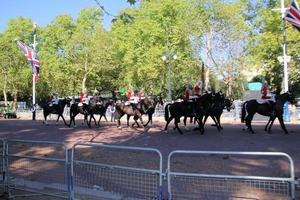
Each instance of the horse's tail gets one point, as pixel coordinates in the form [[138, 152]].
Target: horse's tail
[[243, 116], [167, 111]]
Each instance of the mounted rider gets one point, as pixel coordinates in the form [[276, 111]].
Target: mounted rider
[[53, 99], [134, 100], [267, 96], [84, 99], [197, 88], [96, 98], [141, 94]]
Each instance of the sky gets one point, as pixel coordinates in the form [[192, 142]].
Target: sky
[[44, 12]]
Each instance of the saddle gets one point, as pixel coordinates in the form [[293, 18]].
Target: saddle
[[263, 101]]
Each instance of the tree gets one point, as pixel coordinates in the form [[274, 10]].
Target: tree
[[159, 27], [265, 43], [224, 41], [16, 72]]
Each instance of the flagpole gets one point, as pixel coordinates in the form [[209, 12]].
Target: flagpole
[[286, 115], [284, 48], [33, 77]]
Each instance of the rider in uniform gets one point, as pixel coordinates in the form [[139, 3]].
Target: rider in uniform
[[134, 100], [54, 99], [268, 96]]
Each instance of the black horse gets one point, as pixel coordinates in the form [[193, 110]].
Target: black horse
[[153, 102], [57, 109], [132, 110], [197, 109], [266, 109], [177, 110], [220, 102], [85, 110], [100, 109]]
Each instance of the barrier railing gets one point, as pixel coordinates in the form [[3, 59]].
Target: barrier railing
[[99, 171], [228, 175], [36, 167], [109, 175]]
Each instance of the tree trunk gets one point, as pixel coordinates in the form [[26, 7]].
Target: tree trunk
[[5, 89], [207, 79], [15, 95], [85, 70]]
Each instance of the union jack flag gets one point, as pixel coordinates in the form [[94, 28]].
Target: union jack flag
[[293, 15], [32, 58]]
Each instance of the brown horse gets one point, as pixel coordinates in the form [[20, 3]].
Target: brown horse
[[276, 111], [153, 102], [132, 110]]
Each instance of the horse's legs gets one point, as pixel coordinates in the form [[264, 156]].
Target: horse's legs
[[45, 117], [128, 118], [201, 125], [271, 124], [95, 121], [136, 121], [217, 125], [282, 124], [168, 121], [57, 119], [184, 120], [177, 120], [105, 117], [118, 119], [205, 118], [149, 119], [266, 127], [218, 118], [64, 119], [248, 121]]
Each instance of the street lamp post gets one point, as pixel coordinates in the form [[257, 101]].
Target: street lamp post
[[285, 59], [33, 76], [168, 57]]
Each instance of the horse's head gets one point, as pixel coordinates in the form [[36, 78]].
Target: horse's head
[[158, 99], [228, 103], [291, 98], [65, 101]]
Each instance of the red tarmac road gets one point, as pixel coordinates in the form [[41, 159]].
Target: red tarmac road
[[232, 138]]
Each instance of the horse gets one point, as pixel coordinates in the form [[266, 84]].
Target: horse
[[100, 109], [217, 109], [85, 110], [57, 109], [266, 109], [177, 110], [153, 102], [131, 110]]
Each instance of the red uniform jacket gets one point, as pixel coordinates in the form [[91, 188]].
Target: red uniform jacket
[[264, 92], [197, 90], [186, 95]]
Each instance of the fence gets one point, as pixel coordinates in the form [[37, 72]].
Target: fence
[[2, 171], [107, 174], [98, 171], [36, 167], [225, 175]]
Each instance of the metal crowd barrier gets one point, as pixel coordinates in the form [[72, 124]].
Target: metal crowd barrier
[[2, 167], [99, 171], [103, 172], [232, 183], [36, 168]]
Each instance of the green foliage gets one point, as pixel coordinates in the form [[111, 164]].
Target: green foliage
[[265, 44], [228, 36]]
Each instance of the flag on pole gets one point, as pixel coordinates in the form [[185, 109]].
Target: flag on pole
[[32, 58], [293, 15]]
